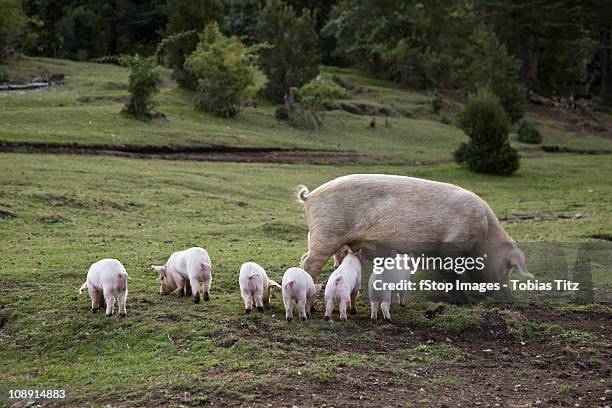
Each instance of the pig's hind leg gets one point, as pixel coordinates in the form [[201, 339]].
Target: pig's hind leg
[[259, 303], [301, 305], [385, 310], [110, 301], [353, 309], [319, 251], [122, 301], [344, 303], [373, 311]]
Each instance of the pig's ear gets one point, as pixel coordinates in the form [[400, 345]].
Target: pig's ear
[[515, 257], [160, 269], [272, 283]]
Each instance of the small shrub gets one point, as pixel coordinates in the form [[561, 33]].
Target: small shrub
[[484, 120], [528, 133], [312, 99], [143, 84], [224, 69]]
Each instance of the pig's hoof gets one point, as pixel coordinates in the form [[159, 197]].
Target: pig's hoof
[[302, 318], [327, 317], [313, 309], [206, 297], [196, 298], [289, 319], [260, 309], [109, 314], [247, 311], [122, 314], [94, 310], [402, 304], [353, 311], [373, 319]]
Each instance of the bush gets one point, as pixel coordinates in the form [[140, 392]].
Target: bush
[[292, 56], [486, 63], [223, 69], [527, 133], [486, 123], [312, 99], [144, 81]]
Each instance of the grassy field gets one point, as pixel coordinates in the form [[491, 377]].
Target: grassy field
[[70, 211], [60, 213]]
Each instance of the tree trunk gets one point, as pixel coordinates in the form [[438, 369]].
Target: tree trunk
[[606, 66], [529, 55]]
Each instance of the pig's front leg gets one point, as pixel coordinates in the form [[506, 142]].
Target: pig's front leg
[[195, 288], [180, 283], [96, 297]]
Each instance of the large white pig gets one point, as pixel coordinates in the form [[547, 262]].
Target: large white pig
[[299, 287], [383, 213], [185, 269], [255, 286], [104, 279]]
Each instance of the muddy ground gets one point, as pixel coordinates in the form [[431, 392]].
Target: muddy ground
[[494, 368]]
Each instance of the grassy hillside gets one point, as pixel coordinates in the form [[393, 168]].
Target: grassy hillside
[[86, 111]]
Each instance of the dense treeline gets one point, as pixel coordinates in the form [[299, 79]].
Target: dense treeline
[[552, 46]]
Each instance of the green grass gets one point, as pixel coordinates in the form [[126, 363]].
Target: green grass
[[70, 211], [142, 210]]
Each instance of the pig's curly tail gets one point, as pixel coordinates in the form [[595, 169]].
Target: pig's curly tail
[[302, 193]]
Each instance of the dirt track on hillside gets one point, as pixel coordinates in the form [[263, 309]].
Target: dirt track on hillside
[[191, 153]]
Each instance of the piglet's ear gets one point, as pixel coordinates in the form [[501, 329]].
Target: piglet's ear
[[272, 283], [160, 269]]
